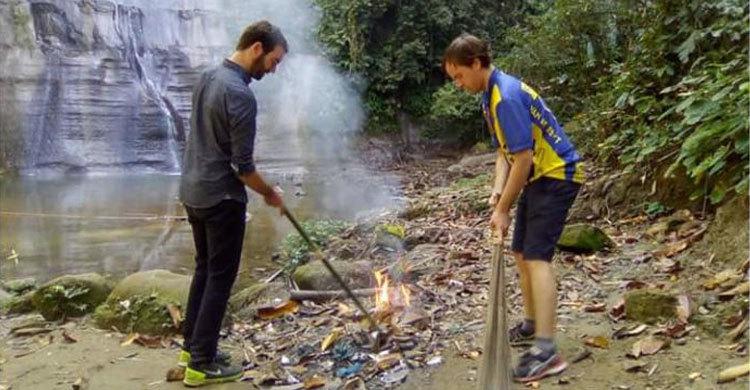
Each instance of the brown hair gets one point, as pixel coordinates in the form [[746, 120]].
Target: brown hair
[[264, 32], [465, 49]]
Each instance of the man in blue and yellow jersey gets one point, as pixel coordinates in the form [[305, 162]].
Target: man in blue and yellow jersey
[[536, 157]]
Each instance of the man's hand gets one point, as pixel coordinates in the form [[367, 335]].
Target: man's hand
[[500, 221], [493, 199], [273, 199]]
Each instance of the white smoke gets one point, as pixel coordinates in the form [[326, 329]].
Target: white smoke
[[309, 112]]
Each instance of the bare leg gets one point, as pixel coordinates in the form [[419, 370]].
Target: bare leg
[[524, 277], [544, 294]]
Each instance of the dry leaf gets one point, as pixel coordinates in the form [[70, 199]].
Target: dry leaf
[[675, 248], [647, 346], [354, 384], [637, 367], [677, 330], [344, 310], [733, 373], [269, 313], [388, 361], [632, 285], [149, 341], [595, 308], [719, 278], [331, 338], [67, 337], [598, 342], [625, 332], [738, 330], [174, 313], [129, 339], [740, 289], [175, 374], [683, 308], [617, 312], [314, 382]]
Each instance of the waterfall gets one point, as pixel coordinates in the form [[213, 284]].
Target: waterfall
[[124, 26]]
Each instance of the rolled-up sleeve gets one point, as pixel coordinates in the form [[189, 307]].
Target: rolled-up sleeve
[[242, 109]]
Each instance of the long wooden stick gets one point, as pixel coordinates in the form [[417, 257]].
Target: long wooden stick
[[496, 360], [324, 295]]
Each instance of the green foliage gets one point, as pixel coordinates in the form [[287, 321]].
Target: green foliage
[[456, 112], [294, 249], [654, 208], [563, 50], [397, 46], [647, 85], [65, 299], [641, 86], [21, 20]]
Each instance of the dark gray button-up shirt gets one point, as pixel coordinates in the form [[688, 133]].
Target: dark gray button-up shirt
[[222, 135]]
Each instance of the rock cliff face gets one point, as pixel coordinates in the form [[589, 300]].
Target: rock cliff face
[[100, 85]]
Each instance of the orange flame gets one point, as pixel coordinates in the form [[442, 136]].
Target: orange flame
[[383, 298]]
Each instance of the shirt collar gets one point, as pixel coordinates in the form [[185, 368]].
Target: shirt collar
[[246, 77], [494, 78]]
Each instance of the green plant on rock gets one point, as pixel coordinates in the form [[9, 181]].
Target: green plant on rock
[[294, 249], [145, 314], [65, 300]]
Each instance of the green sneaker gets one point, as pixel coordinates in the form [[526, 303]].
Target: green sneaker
[[211, 373], [184, 358]]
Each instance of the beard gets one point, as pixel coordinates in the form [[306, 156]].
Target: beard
[[257, 71]]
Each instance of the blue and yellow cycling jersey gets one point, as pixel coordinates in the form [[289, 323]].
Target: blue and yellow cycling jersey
[[519, 120]]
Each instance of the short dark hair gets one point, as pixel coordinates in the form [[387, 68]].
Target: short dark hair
[[264, 32], [465, 49]]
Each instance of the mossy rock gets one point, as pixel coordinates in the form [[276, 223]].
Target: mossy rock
[[5, 298], [246, 302], [390, 236], [71, 295], [20, 304], [139, 303], [584, 238], [650, 306], [315, 276], [20, 286]]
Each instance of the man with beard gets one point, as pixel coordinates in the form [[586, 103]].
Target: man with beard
[[217, 165]]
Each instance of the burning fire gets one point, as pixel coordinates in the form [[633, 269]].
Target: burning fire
[[388, 298]]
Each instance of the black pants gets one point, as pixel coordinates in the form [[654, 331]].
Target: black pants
[[218, 233]]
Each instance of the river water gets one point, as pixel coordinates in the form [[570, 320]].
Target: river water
[[114, 224]]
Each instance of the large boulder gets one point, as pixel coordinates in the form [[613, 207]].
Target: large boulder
[[584, 238], [71, 295], [315, 276], [5, 298], [19, 286], [245, 303], [19, 304], [141, 303]]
